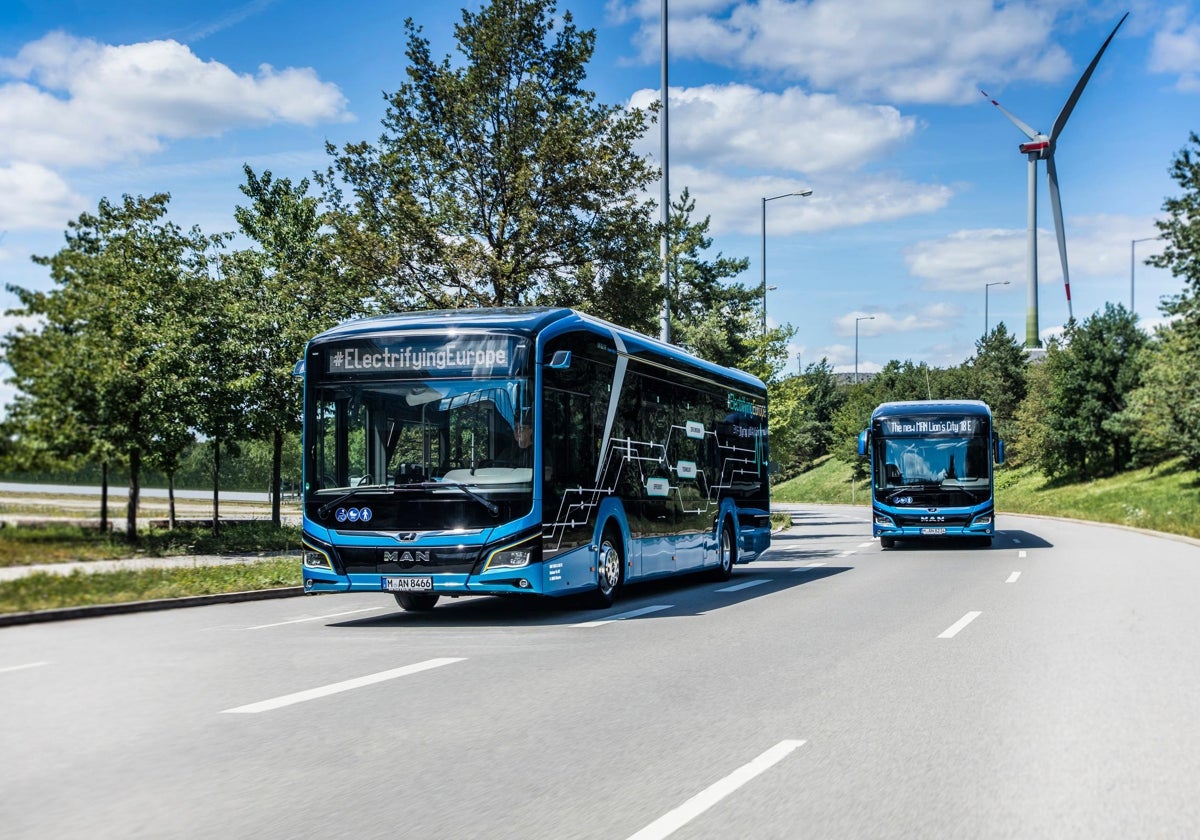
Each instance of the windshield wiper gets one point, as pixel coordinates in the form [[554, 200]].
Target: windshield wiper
[[324, 509], [491, 506]]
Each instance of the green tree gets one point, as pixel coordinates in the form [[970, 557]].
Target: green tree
[[500, 181], [1165, 412], [1099, 364], [290, 290], [107, 326], [997, 375]]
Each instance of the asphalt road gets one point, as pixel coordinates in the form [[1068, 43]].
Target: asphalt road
[[1046, 687]]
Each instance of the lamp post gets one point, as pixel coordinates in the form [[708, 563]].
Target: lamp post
[[986, 287], [763, 256], [856, 320], [1132, 243]]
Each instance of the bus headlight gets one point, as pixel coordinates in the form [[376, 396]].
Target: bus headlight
[[513, 558], [884, 521], [313, 558], [986, 519]]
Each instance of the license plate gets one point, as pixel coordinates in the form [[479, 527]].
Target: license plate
[[408, 584], [933, 532]]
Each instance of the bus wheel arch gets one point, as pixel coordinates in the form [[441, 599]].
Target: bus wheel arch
[[416, 601]]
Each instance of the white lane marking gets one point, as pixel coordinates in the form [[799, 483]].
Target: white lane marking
[[1013, 577], [742, 586], [847, 553], [952, 631], [866, 544], [1022, 554], [313, 618], [623, 616], [22, 667], [808, 567], [335, 688], [672, 821]]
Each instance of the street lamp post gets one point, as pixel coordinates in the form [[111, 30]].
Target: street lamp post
[[763, 255], [986, 287], [856, 320], [1132, 243]]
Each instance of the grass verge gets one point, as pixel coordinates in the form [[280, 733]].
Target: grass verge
[[64, 542], [43, 591]]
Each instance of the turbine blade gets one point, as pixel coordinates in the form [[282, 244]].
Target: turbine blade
[[1065, 113], [1031, 133], [1059, 232]]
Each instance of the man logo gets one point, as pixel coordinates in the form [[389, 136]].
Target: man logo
[[391, 557], [418, 557]]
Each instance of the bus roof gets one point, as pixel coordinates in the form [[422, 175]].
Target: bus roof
[[528, 320], [908, 407]]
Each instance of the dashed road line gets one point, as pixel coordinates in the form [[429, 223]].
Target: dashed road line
[[1013, 577], [22, 667], [632, 614], [952, 631], [313, 618], [676, 819], [336, 688], [739, 587]]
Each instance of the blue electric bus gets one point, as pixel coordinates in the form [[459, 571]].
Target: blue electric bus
[[931, 470], [523, 451]]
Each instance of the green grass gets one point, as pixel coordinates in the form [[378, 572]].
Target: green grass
[[42, 591], [1163, 498], [62, 542]]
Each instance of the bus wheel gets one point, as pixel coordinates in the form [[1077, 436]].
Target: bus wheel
[[726, 554], [415, 601], [609, 566], [887, 542]]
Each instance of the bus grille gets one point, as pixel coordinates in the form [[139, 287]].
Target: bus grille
[[408, 560]]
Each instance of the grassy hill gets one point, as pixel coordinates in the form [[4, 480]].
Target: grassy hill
[[1163, 498]]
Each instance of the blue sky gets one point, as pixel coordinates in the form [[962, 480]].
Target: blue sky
[[919, 190]]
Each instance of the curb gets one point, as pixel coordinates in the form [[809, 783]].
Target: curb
[[96, 610]]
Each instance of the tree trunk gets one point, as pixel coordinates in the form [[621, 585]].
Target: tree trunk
[[135, 465], [276, 478], [104, 496], [216, 474], [171, 501]]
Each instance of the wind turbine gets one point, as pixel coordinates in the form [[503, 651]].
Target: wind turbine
[[1041, 147]]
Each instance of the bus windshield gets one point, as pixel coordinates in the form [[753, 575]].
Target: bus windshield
[[457, 442], [939, 469]]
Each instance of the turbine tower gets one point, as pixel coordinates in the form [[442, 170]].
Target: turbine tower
[[1041, 147]]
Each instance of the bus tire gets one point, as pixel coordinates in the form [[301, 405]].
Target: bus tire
[[415, 601], [887, 542], [610, 571], [726, 553]]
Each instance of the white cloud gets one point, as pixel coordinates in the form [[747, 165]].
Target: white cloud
[[75, 102], [734, 202], [1176, 49], [741, 126], [934, 317], [1098, 247], [33, 197], [926, 51]]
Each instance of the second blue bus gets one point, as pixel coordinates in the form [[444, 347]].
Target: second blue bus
[[931, 470]]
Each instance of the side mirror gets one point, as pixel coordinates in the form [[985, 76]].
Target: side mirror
[[862, 443], [298, 370], [999, 451]]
